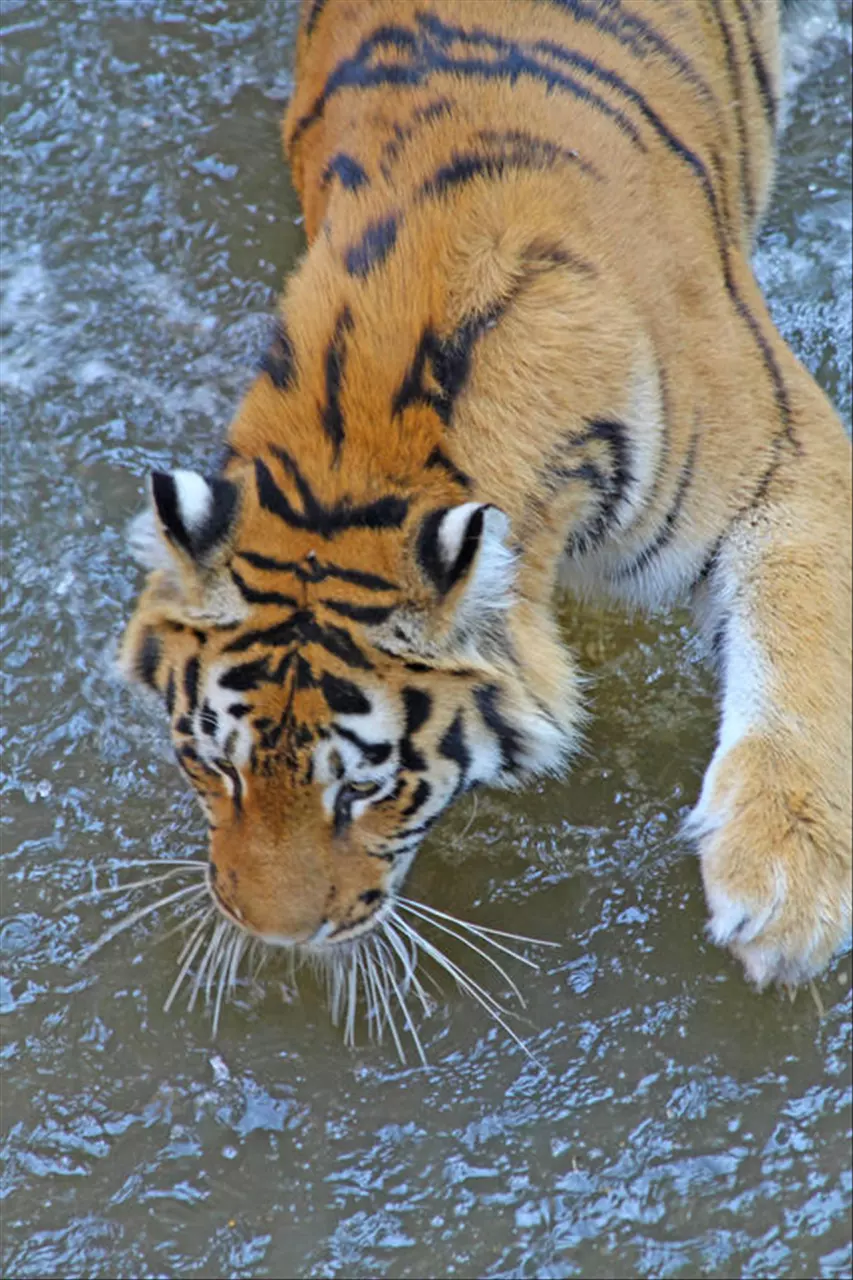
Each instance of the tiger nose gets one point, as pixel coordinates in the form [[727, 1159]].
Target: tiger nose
[[279, 900]]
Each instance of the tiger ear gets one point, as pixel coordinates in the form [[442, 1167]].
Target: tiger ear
[[190, 519], [462, 553]]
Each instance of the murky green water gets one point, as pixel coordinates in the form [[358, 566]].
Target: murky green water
[[679, 1123]]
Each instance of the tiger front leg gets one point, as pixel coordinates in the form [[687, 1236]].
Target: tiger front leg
[[773, 822]]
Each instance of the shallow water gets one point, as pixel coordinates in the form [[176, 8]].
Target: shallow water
[[676, 1123]]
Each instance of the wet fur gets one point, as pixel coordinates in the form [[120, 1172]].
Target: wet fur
[[527, 291]]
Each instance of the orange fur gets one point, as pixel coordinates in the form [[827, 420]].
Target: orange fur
[[527, 291]]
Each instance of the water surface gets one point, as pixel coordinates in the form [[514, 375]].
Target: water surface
[[678, 1123]]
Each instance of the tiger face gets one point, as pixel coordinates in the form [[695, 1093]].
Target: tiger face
[[329, 702]]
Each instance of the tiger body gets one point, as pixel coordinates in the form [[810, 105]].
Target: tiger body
[[525, 351]]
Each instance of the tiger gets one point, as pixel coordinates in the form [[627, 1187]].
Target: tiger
[[523, 358]]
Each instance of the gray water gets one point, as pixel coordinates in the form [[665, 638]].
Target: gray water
[[677, 1123]]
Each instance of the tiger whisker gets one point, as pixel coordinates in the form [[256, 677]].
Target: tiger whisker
[[478, 928], [468, 985], [395, 987], [188, 954], [184, 924], [121, 863], [122, 888], [214, 967], [127, 921], [373, 1019], [382, 988], [212, 947], [225, 967], [410, 960], [352, 987], [454, 933]]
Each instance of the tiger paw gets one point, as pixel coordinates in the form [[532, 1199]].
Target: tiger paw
[[775, 847]]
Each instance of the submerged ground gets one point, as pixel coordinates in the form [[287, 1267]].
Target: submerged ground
[[679, 1123]]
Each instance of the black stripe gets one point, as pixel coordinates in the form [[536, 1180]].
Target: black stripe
[[438, 458], [303, 628], [448, 360], [393, 148], [510, 741], [668, 528], [454, 747], [328, 522], [464, 167], [185, 753], [421, 794], [411, 759], [332, 416], [148, 658], [513, 63], [737, 95], [524, 144], [766, 90], [426, 60], [612, 487], [316, 571], [191, 675], [696, 165], [374, 246], [557, 255], [635, 34], [343, 697], [226, 767], [253, 596], [313, 17], [184, 725], [369, 615], [165, 494], [347, 170], [171, 693], [374, 752], [417, 705], [279, 359], [428, 549], [249, 675]]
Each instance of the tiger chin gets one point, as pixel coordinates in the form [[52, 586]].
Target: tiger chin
[[524, 352]]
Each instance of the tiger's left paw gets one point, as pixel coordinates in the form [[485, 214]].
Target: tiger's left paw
[[776, 862]]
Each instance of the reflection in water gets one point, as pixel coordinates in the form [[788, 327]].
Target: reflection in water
[[672, 1119]]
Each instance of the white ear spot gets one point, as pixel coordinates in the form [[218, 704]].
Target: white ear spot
[[494, 568], [452, 530], [195, 514], [465, 545], [194, 498]]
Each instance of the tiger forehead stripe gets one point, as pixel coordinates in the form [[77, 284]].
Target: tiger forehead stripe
[[327, 521], [316, 571]]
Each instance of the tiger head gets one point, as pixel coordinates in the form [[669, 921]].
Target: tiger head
[[336, 675]]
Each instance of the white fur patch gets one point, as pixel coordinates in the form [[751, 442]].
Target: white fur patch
[[145, 544], [194, 498], [491, 579]]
